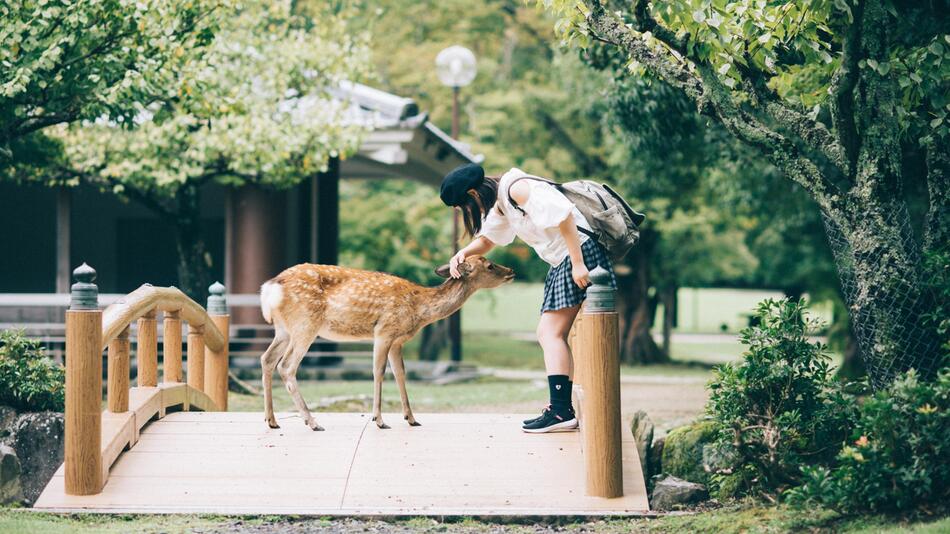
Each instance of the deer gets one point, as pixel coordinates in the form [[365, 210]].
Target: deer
[[347, 304]]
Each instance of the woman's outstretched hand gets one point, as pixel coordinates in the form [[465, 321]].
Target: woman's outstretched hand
[[581, 275], [454, 264]]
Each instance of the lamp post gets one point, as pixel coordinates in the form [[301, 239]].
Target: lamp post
[[456, 68]]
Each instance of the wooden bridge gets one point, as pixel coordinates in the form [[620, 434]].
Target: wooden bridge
[[172, 447]]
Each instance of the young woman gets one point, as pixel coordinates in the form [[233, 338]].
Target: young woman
[[550, 223]]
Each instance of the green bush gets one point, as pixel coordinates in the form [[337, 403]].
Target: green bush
[[898, 460], [29, 380], [780, 407]]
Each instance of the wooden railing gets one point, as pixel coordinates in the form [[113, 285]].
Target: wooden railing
[[595, 343], [95, 438]]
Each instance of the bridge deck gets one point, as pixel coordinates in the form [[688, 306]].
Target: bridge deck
[[455, 464]]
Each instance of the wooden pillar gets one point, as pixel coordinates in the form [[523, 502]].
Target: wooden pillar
[[171, 348], [147, 351], [598, 342], [258, 243], [83, 418], [118, 374], [196, 357], [325, 216], [216, 362]]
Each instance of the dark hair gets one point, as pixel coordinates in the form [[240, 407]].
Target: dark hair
[[479, 201]]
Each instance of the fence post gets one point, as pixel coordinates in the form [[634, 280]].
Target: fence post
[[83, 456], [599, 344], [216, 362], [117, 391], [146, 352], [196, 356], [171, 348]]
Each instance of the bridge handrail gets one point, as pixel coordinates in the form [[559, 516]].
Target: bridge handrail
[[95, 438], [148, 298]]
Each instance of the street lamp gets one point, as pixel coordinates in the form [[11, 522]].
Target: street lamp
[[456, 68]]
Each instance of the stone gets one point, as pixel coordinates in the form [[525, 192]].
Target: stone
[[655, 461], [38, 442], [683, 451], [671, 493], [642, 428], [10, 490], [8, 416]]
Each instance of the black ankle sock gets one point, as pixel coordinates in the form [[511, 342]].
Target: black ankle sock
[[560, 388]]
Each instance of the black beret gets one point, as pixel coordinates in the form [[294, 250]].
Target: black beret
[[461, 179]]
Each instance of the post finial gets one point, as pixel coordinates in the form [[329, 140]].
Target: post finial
[[601, 297], [217, 304], [84, 294]]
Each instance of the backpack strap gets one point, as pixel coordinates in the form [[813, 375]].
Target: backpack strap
[[557, 186], [530, 177]]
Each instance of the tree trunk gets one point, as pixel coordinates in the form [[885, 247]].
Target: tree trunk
[[433, 340], [194, 261], [636, 308], [881, 278], [668, 297]]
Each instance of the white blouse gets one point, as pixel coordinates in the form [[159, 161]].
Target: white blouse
[[538, 225]]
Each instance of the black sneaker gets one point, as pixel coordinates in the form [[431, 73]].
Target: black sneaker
[[533, 419], [552, 422]]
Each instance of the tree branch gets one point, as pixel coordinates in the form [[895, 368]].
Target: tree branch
[[644, 22], [843, 82], [712, 98]]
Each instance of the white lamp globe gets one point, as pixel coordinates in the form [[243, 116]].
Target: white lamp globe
[[455, 66]]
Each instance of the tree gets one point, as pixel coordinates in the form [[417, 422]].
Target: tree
[[62, 61], [254, 111], [874, 74]]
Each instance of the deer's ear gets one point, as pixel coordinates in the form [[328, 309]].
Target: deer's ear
[[465, 269], [443, 271]]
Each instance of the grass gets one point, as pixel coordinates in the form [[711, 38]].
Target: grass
[[480, 395], [735, 518]]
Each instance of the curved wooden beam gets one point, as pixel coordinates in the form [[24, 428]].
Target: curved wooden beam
[[146, 298]]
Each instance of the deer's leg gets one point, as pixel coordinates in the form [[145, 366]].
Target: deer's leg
[[399, 372], [269, 361], [380, 351], [288, 373]]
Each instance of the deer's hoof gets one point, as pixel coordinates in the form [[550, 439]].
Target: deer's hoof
[[316, 428], [272, 422], [415, 423], [382, 425]]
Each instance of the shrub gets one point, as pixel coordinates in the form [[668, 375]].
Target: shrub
[[29, 380], [897, 460], [780, 406]]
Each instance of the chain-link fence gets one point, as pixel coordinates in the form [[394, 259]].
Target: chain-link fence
[[889, 322]]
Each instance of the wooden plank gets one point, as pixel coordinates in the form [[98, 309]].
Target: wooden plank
[[145, 403], [231, 463], [118, 431]]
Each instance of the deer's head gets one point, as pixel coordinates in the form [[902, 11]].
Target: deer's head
[[480, 272]]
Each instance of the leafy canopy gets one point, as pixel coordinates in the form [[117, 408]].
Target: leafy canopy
[[63, 60], [256, 109]]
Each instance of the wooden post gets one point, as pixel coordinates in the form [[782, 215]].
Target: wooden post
[[196, 357], [599, 343], [83, 458], [216, 362], [147, 351], [118, 374], [171, 348]]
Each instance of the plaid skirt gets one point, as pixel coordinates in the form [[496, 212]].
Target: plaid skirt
[[560, 291]]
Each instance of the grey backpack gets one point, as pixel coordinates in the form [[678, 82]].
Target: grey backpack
[[616, 225]]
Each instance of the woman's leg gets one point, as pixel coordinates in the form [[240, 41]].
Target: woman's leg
[[553, 329]]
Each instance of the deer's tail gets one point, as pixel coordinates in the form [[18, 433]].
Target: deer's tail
[[272, 293]]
